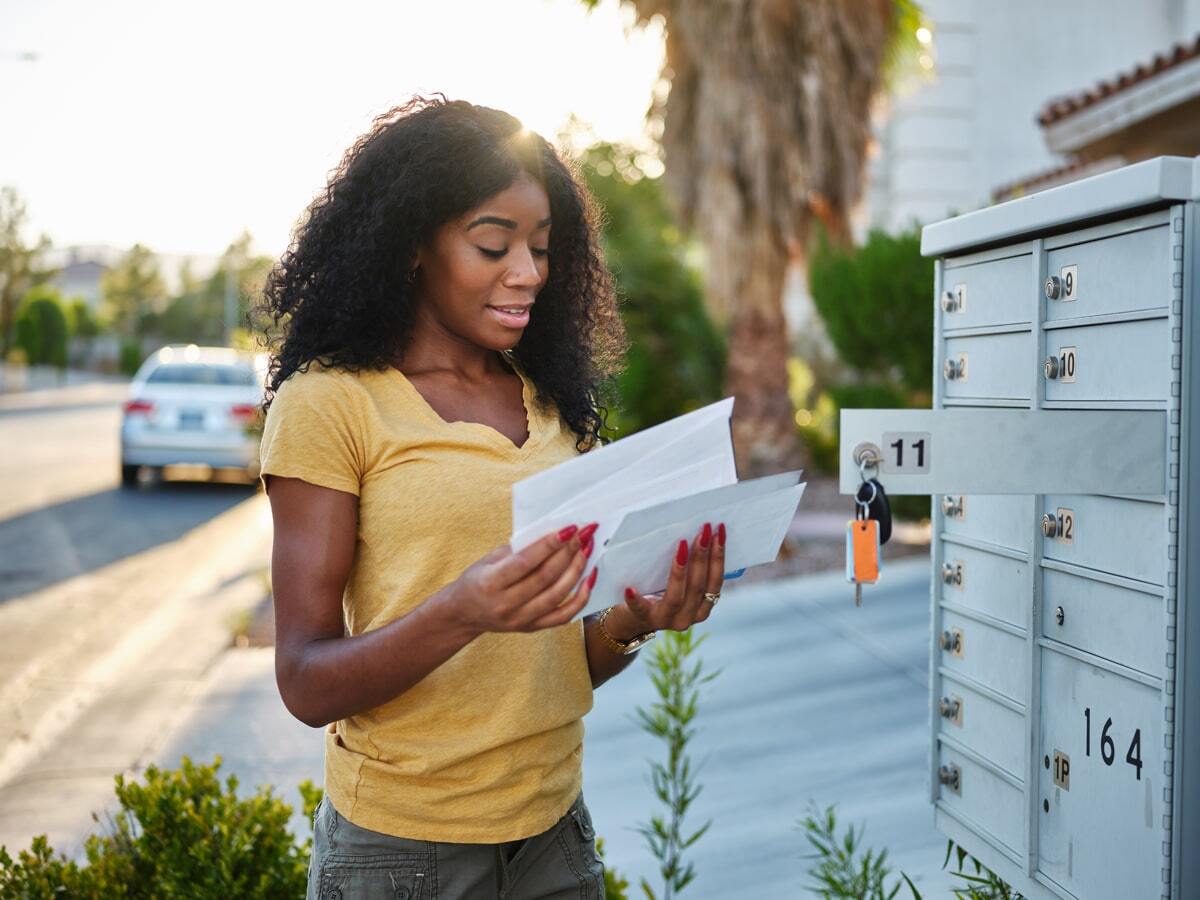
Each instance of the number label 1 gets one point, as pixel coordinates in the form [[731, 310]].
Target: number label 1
[[906, 452]]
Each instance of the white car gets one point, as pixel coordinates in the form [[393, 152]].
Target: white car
[[192, 405]]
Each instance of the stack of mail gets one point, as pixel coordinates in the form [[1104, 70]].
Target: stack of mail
[[649, 491]]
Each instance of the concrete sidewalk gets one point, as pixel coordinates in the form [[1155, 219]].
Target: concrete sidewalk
[[817, 701]]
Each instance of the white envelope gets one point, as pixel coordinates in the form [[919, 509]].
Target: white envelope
[[697, 460], [756, 514], [711, 438], [608, 509], [540, 495]]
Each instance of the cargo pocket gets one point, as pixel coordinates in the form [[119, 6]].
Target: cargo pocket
[[373, 878], [585, 832]]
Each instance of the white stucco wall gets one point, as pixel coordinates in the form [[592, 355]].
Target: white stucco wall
[[946, 145]]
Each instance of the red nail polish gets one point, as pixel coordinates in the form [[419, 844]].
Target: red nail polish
[[565, 534], [587, 548], [721, 534], [591, 582], [681, 554], [588, 531], [630, 594], [705, 536]]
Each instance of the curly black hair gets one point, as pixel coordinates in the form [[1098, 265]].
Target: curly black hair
[[340, 294]]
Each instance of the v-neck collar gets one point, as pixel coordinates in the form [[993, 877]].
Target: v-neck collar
[[532, 418]]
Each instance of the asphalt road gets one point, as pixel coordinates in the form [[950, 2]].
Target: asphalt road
[[817, 701], [113, 603]]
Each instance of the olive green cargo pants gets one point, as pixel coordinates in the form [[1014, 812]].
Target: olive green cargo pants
[[353, 863]]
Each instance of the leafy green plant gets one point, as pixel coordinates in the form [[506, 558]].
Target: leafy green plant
[[981, 883], [42, 328], [131, 357], [181, 833], [877, 304], [616, 887], [677, 680], [676, 358], [81, 321], [842, 868]]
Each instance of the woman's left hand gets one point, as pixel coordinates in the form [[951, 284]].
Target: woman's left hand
[[696, 571]]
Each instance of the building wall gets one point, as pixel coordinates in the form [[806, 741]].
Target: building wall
[[943, 145]]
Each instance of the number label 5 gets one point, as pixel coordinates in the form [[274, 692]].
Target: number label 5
[[906, 452]]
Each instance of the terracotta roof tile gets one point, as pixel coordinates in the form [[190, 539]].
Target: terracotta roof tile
[[1062, 107]]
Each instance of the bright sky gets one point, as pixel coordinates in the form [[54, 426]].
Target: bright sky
[[179, 124]]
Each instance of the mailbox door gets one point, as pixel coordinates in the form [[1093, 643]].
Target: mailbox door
[[1100, 828], [986, 725], [989, 654], [1113, 622], [986, 293], [986, 582], [1122, 362], [984, 799], [993, 367], [1122, 536], [998, 519], [1117, 274]]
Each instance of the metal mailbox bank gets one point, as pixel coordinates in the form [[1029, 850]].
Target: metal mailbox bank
[[1063, 456]]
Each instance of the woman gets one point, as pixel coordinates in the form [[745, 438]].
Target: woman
[[447, 323]]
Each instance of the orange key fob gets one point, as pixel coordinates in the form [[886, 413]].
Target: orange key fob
[[862, 551]]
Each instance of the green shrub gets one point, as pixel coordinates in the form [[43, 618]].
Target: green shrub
[[841, 869], [877, 304], [676, 358], [42, 328], [182, 833], [81, 321], [677, 681], [983, 883], [131, 357]]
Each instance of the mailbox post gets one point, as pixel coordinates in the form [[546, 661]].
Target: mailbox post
[[1063, 456]]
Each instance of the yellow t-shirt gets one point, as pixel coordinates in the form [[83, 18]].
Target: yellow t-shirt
[[488, 747]]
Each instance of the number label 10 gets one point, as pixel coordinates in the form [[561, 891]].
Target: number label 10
[[906, 452]]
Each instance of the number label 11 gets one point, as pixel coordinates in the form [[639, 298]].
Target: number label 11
[[906, 452]]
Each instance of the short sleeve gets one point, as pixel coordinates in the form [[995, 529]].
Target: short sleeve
[[312, 432]]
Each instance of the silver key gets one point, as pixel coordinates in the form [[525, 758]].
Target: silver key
[[858, 593]]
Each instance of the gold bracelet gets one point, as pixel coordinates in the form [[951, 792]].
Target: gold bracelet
[[621, 648]]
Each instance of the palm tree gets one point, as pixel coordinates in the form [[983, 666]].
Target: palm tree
[[765, 127]]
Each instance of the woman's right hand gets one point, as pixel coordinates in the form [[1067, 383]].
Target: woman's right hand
[[528, 590]]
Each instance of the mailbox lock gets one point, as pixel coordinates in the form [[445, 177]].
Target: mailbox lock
[[952, 573], [951, 776], [1060, 615], [948, 707], [1051, 367], [1051, 525], [950, 301], [952, 506], [1053, 287], [954, 369], [950, 640]]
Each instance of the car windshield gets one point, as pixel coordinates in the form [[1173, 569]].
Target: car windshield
[[200, 373]]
